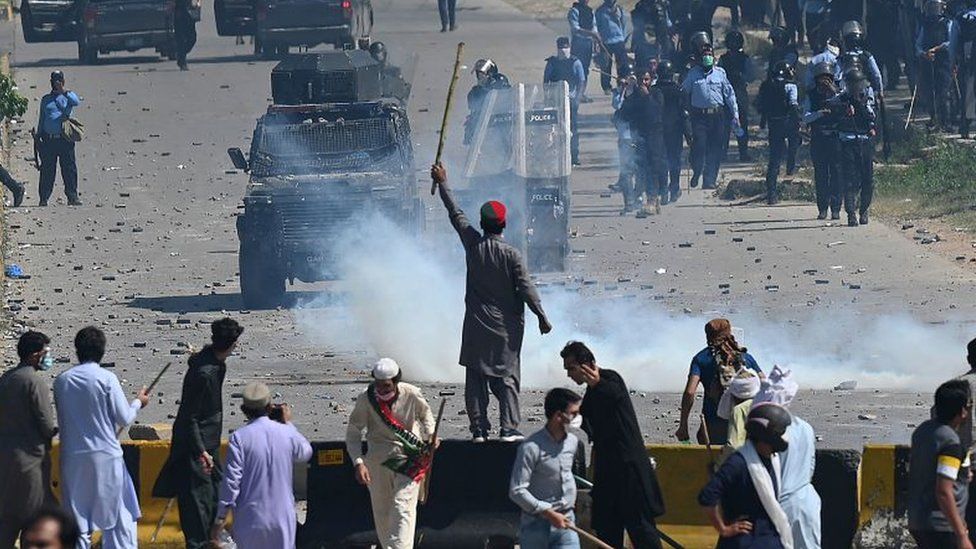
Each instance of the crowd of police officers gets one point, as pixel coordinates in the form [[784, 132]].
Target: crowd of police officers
[[671, 87]]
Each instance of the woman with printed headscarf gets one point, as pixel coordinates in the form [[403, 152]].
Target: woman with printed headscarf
[[713, 367]]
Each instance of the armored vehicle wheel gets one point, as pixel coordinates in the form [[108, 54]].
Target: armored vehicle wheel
[[262, 284]]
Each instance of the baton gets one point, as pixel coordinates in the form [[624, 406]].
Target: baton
[[911, 106], [447, 111], [708, 445], [149, 389], [425, 487], [589, 537], [162, 518]]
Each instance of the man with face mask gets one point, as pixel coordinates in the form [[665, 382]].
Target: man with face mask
[[26, 429], [741, 499], [829, 50], [713, 111], [935, 48], [855, 133], [626, 494], [565, 67], [542, 483], [398, 424], [821, 117]]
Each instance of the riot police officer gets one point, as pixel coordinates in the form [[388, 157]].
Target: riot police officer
[[779, 105], [582, 36], [713, 111], [882, 15], [565, 67], [738, 67], [487, 78], [853, 55], [829, 50], [966, 61], [784, 49], [935, 49], [652, 32], [820, 116], [675, 121], [855, 134]]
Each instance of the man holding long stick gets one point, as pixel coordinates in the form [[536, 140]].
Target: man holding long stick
[[498, 289], [192, 473], [398, 423]]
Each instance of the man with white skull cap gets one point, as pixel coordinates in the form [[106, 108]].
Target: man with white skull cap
[[398, 424]]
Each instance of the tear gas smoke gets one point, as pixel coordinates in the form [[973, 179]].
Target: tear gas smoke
[[404, 298]]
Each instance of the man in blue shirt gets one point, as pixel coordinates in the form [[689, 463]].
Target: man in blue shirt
[[713, 110], [935, 48], [542, 483], [565, 67], [612, 25], [582, 32], [713, 367], [52, 146]]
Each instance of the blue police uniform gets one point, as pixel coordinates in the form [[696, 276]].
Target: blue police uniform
[[824, 151], [53, 148], [855, 132], [713, 111], [611, 22], [581, 19], [936, 74], [569, 70]]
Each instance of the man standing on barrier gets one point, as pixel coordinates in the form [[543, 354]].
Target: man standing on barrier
[[626, 494], [192, 472], [398, 424], [542, 482], [497, 290]]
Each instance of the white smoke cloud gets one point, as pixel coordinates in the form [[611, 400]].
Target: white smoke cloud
[[404, 298]]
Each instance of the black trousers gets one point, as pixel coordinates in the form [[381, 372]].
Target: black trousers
[[825, 153], [618, 55], [197, 501], [652, 170], [446, 8], [742, 99], [779, 129], [583, 50], [967, 85], [621, 502], [54, 151], [930, 539], [710, 143], [9, 182], [574, 130], [185, 30], [857, 169], [936, 82], [673, 146], [625, 180]]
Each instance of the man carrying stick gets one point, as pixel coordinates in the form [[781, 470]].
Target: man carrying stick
[[497, 290], [192, 474], [398, 425]]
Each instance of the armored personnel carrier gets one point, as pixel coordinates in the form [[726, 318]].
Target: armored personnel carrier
[[334, 146]]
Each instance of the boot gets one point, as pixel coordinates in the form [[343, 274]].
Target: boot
[[864, 218], [852, 220], [695, 178], [18, 196], [835, 215], [822, 215]]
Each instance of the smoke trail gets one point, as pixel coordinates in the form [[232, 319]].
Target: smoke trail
[[404, 299]]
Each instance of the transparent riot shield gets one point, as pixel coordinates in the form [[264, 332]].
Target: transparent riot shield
[[490, 147], [543, 166]]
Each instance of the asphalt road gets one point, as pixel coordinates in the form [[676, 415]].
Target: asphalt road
[[152, 255]]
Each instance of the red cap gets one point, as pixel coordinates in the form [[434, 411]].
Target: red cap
[[493, 211]]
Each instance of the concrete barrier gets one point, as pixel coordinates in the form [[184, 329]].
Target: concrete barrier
[[883, 496]]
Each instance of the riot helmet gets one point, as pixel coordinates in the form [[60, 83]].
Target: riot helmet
[[933, 9], [734, 40], [855, 80], [665, 70], [779, 36], [767, 422], [823, 68], [783, 70], [378, 51], [484, 70], [699, 41], [852, 33]]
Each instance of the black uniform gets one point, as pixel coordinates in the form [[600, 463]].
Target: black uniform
[[966, 60], [650, 18], [197, 429], [626, 494], [582, 46], [644, 112], [778, 104], [562, 70], [737, 67], [675, 122], [855, 129], [185, 30], [476, 96], [936, 74], [882, 20], [825, 151]]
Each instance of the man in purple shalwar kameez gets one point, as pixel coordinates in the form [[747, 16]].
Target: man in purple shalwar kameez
[[258, 476]]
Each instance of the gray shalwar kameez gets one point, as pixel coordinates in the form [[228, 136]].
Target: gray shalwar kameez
[[497, 289]]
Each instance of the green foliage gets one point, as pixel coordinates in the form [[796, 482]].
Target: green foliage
[[12, 104], [941, 183]]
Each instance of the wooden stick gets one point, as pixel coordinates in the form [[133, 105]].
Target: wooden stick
[[425, 486], [708, 445], [162, 519], [447, 110], [911, 107], [589, 537]]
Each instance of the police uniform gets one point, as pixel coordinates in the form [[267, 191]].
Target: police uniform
[[824, 150], [569, 70], [581, 18], [651, 18], [936, 74], [476, 97], [966, 60], [883, 14], [675, 122], [855, 132], [778, 102], [739, 70], [713, 110]]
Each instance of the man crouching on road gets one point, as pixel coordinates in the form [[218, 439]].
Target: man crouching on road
[[398, 422], [542, 477]]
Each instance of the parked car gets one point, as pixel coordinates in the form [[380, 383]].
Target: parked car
[[234, 17], [124, 25], [281, 24], [48, 20]]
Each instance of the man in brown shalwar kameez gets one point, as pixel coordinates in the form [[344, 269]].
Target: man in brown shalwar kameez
[[497, 290]]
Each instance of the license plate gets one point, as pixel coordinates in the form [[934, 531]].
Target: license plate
[[133, 42]]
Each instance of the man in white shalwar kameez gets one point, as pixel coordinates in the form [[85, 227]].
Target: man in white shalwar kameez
[[95, 485]]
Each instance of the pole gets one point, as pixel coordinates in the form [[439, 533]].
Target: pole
[[425, 487], [911, 107], [708, 445], [162, 519], [589, 537], [149, 389], [447, 110]]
